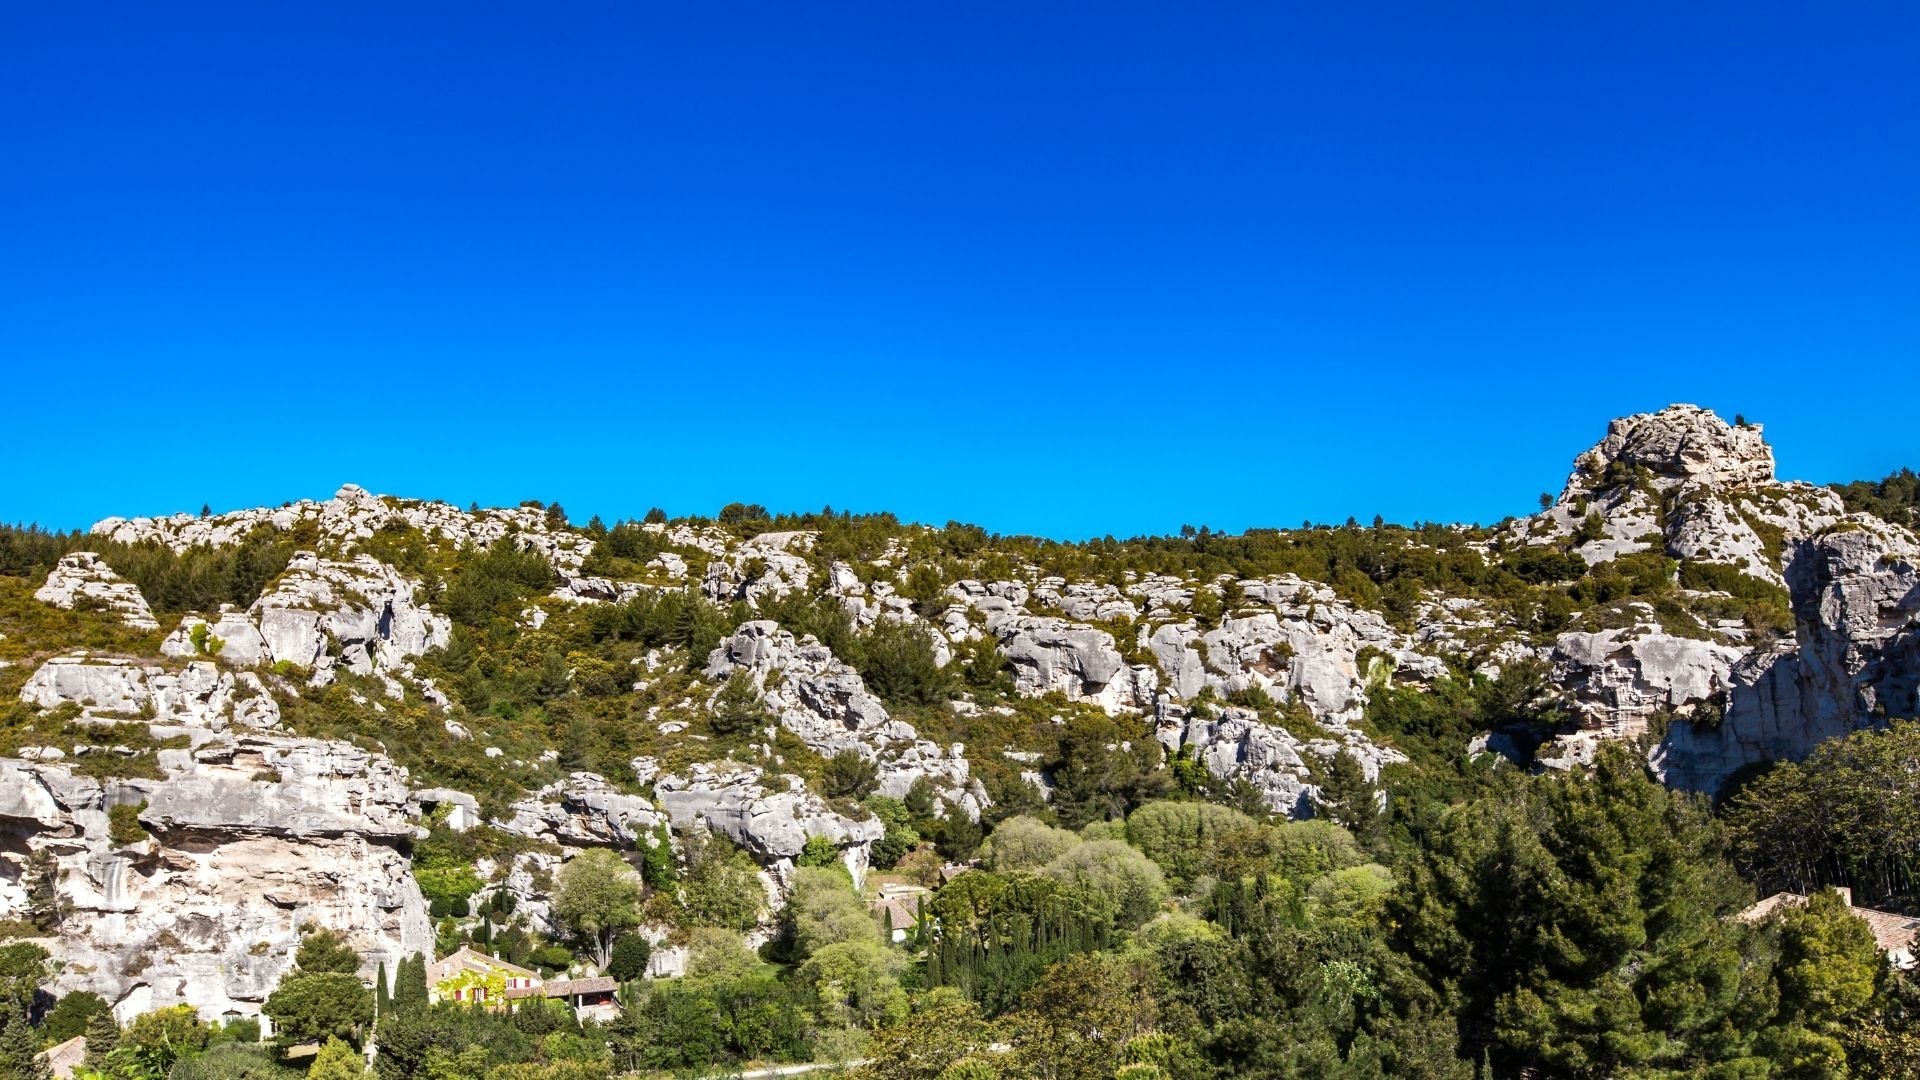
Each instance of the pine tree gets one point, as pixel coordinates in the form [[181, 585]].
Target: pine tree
[[20, 1049], [103, 1035]]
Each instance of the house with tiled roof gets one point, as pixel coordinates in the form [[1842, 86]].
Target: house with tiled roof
[[65, 1057], [1894, 933], [898, 909], [468, 975]]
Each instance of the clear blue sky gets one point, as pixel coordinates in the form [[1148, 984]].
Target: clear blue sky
[[1070, 269]]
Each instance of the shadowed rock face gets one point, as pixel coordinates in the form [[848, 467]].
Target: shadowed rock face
[[1854, 661]]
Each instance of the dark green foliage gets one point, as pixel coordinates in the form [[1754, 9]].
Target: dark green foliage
[[1894, 498], [486, 583], [630, 955], [197, 579], [123, 823], [721, 886], [324, 951], [72, 1015], [1848, 815], [23, 967], [684, 1024], [316, 1006], [1580, 923], [901, 835], [423, 1043], [849, 775], [410, 985], [898, 662], [1349, 799], [103, 1035], [232, 1060], [1103, 769], [996, 934], [738, 710], [657, 865]]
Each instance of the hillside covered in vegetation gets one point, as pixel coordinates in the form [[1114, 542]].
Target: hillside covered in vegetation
[[1341, 800]]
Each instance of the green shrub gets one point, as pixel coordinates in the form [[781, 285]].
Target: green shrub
[[123, 823]]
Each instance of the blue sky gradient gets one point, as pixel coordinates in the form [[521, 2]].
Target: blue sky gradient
[[1097, 268]]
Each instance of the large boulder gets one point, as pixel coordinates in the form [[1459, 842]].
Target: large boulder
[[230, 635], [1054, 655]]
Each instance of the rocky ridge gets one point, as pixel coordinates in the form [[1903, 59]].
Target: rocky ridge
[[325, 824]]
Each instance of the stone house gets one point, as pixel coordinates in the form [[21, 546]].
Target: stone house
[[469, 975]]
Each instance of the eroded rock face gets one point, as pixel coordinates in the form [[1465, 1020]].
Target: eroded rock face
[[1853, 663], [83, 578], [1684, 481], [1053, 655], [199, 694], [826, 703], [771, 817], [252, 836], [1236, 745], [1685, 443], [1616, 680], [1311, 647], [363, 607], [584, 811]]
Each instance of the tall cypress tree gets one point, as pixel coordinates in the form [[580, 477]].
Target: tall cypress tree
[[382, 1001], [410, 986]]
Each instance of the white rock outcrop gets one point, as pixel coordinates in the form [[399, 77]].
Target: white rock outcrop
[[1235, 744], [771, 817], [230, 636], [1854, 660], [826, 703], [353, 515], [584, 810], [252, 837], [83, 578], [198, 694], [360, 614]]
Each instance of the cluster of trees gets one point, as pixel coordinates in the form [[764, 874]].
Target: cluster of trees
[[197, 579], [1847, 815], [1895, 497], [1581, 926]]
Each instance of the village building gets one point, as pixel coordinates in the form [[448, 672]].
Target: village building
[[65, 1057], [897, 909], [470, 976], [1894, 933]]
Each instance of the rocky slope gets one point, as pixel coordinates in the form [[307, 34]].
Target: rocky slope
[[1675, 593]]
